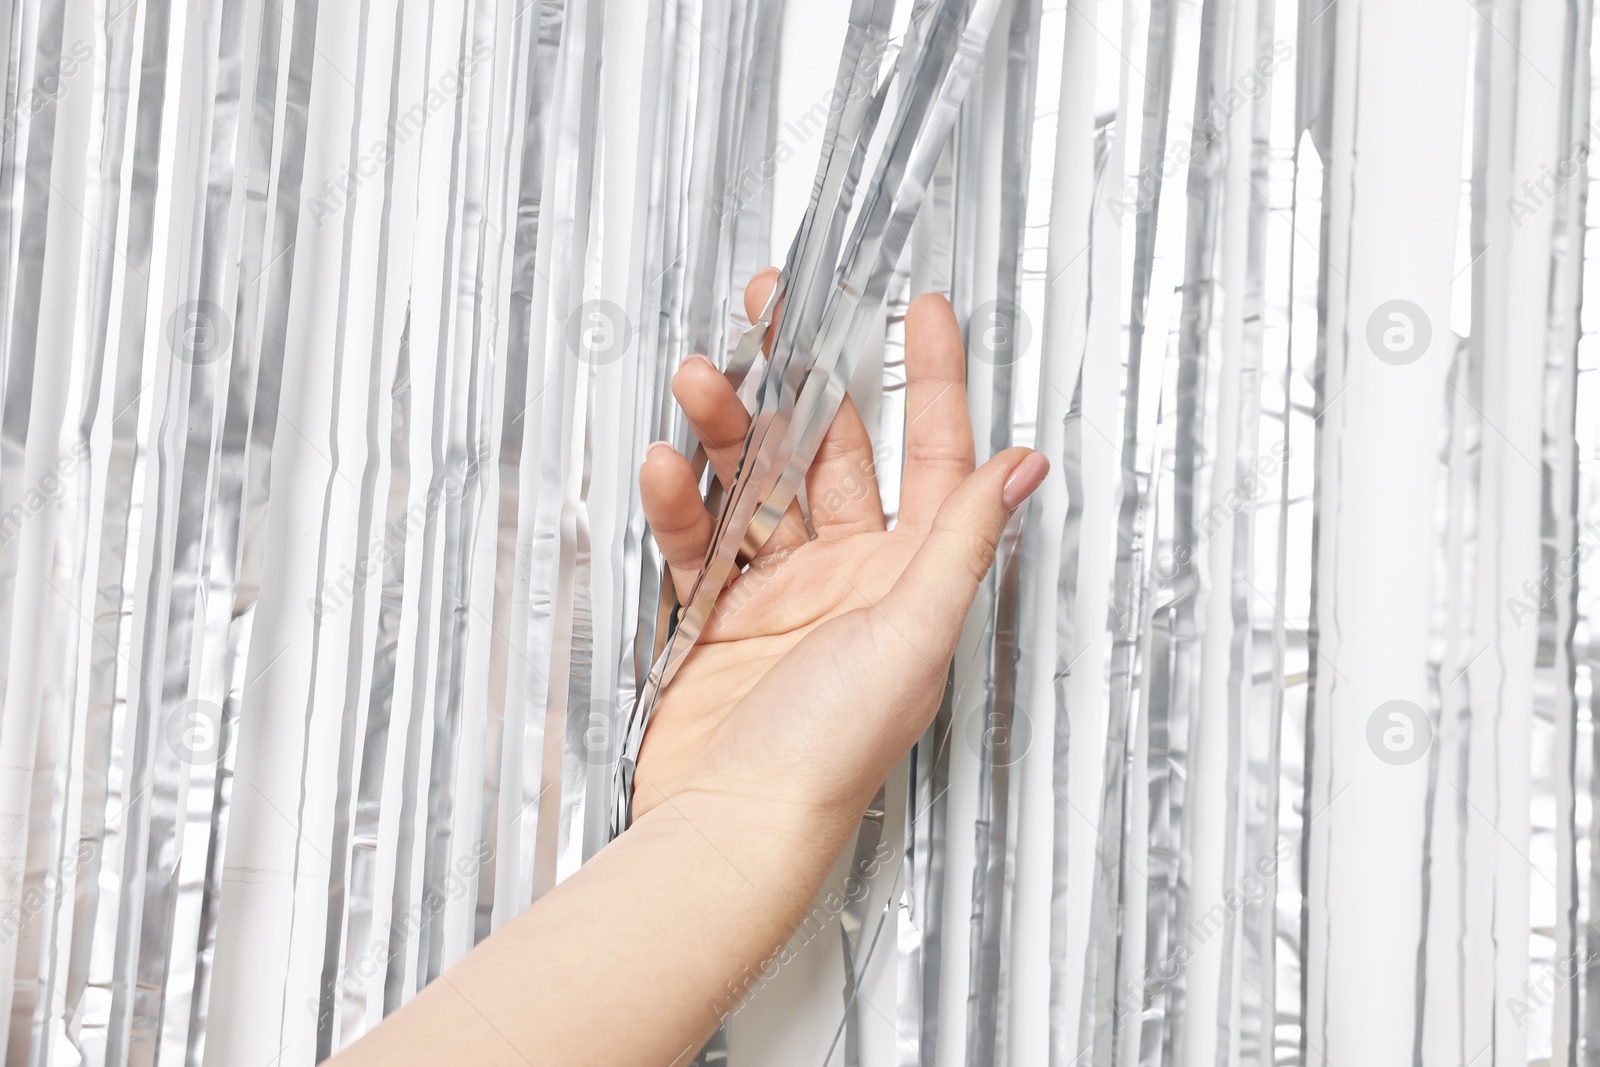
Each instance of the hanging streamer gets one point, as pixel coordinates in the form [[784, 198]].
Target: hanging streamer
[[332, 337]]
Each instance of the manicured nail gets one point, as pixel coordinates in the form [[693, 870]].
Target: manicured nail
[[650, 452], [1027, 477]]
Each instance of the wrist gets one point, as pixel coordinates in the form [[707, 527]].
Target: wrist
[[742, 809]]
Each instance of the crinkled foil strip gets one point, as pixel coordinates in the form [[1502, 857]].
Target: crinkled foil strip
[[1555, 734], [790, 418]]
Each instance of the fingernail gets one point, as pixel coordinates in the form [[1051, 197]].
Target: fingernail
[[697, 356], [656, 447], [1027, 477]]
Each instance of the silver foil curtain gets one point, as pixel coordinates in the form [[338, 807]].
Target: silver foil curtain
[[332, 334]]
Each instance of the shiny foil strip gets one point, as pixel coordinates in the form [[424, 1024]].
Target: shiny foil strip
[[332, 337]]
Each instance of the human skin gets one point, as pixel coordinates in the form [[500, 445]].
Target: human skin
[[825, 661]]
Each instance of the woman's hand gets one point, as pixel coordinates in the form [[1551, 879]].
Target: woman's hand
[[823, 663], [825, 660]]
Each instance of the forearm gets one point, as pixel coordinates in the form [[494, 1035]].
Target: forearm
[[628, 961]]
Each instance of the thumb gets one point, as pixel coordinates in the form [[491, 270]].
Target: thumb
[[930, 601]]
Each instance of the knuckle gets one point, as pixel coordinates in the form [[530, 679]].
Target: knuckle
[[976, 549], [940, 457]]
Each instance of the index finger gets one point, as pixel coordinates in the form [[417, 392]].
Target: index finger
[[756, 293]]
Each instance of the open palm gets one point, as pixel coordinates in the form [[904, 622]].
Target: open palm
[[820, 666]]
